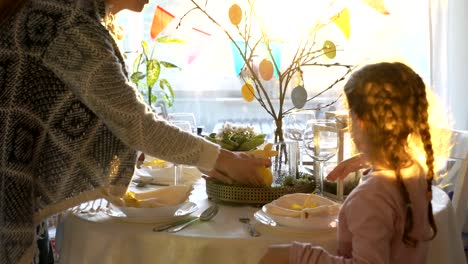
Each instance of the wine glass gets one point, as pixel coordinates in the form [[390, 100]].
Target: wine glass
[[188, 117], [321, 144], [178, 174], [294, 126]]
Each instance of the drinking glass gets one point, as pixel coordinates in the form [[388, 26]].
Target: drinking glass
[[178, 173], [294, 126], [188, 117], [321, 143]]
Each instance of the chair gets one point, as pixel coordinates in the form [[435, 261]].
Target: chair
[[455, 182]]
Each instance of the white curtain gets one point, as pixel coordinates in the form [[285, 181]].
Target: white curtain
[[449, 57]]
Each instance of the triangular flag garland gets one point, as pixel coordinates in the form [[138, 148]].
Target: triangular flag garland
[[161, 19], [378, 5], [197, 44], [342, 21]]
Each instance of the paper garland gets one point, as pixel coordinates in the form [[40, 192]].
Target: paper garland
[[161, 19], [342, 22]]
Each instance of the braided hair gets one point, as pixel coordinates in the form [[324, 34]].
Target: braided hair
[[391, 99]]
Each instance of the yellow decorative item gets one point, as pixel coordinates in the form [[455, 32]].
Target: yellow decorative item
[[342, 21], [266, 152], [235, 14], [248, 92], [156, 163], [329, 49]]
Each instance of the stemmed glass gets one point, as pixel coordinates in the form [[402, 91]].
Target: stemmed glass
[[178, 174], [294, 126], [321, 143], [188, 117]]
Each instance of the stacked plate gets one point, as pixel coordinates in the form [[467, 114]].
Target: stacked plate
[[153, 215], [300, 211]]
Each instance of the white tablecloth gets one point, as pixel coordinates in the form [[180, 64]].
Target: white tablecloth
[[102, 239]]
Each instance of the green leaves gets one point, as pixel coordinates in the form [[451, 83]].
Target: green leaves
[[147, 72], [237, 139]]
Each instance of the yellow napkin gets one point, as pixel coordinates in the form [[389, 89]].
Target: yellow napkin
[[303, 206], [163, 196]]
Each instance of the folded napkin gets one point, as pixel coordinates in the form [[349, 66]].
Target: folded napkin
[[303, 206], [166, 175], [160, 197]]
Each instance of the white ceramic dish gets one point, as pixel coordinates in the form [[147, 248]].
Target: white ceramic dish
[[294, 225], [153, 215]]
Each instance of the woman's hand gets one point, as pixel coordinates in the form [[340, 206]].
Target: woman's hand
[[238, 167], [345, 167]]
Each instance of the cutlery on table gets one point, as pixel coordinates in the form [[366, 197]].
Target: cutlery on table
[[167, 226], [206, 215], [252, 231], [141, 183]]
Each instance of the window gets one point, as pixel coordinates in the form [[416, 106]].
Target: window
[[208, 85]]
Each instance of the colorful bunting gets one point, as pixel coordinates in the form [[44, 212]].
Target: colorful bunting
[[342, 21], [197, 44], [161, 19], [378, 5]]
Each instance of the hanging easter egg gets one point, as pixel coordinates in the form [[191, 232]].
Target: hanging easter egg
[[299, 96], [235, 14], [266, 69], [329, 49], [248, 92]]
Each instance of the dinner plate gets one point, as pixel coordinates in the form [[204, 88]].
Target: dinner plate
[[295, 223], [153, 215]]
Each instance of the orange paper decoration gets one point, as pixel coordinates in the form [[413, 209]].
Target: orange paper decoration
[[235, 14], [266, 69], [248, 92], [378, 5], [161, 19], [342, 21]]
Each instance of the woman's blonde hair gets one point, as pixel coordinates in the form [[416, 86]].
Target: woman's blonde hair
[[390, 98], [109, 22]]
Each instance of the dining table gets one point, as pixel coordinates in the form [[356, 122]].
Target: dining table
[[97, 237]]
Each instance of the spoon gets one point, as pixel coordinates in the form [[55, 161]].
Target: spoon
[[206, 215], [252, 231]]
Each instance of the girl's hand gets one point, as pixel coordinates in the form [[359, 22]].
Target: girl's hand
[[345, 167]]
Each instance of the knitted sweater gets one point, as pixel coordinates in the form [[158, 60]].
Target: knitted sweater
[[69, 121]]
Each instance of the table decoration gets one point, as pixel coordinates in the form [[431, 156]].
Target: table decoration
[[221, 192]]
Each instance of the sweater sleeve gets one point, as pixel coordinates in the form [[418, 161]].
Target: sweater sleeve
[[83, 57], [370, 222]]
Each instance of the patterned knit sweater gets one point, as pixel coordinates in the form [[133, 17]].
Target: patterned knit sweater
[[69, 121]]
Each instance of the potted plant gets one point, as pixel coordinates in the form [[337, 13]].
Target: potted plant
[[146, 73]]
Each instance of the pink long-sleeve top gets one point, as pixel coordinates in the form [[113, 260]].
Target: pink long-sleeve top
[[371, 223]]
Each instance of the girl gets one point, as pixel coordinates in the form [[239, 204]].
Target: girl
[[388, 217], [70, 123]]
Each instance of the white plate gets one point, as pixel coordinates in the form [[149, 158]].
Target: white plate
[[154, 215], [325, 223]]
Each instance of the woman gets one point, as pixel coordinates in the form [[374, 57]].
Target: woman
[[69, 122]]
